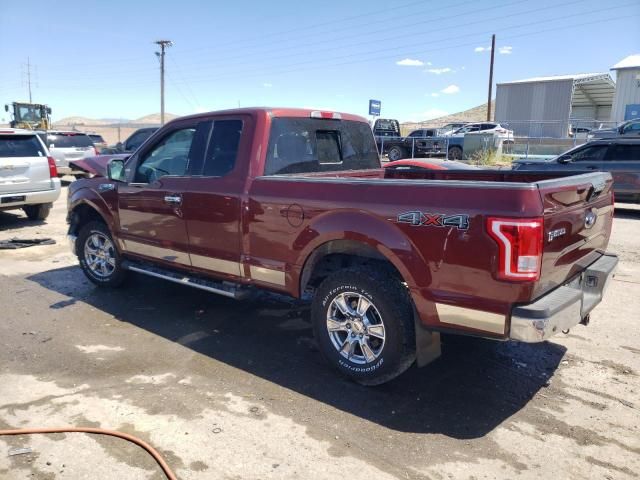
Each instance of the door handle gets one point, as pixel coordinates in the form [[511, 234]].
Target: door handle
[[173, 199]]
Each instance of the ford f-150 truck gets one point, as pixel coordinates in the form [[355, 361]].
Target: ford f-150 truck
[[295, 201]]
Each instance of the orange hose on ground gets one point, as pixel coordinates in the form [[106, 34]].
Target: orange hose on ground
[[99, 431]]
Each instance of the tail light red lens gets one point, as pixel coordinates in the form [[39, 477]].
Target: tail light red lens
[[520, 247], [53, 170]]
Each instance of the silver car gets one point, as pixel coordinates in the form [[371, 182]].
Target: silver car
[[28, 177], [66, 146]]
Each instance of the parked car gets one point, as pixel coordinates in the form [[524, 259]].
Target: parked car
[[579, 132], [449, 128], [132, 142], [630, 128], [28, 176], [620, 156], [98, 142], [295, 201], [67, 146], [486, 127]]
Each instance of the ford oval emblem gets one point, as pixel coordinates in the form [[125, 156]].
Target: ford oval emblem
[[590, 219]]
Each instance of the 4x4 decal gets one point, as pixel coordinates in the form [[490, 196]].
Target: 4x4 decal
[[420, 219]]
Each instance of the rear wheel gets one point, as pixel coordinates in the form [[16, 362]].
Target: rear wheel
[[396, 153], [363, 323], [99, 258], [455, 153], [37, 212]]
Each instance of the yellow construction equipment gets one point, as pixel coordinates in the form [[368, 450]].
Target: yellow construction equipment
[[31, 116]]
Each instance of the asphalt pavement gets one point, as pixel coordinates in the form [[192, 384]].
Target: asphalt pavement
[[229, 389]]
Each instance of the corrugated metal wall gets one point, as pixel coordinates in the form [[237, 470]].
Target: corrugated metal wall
[[536, 109], [627, 92]]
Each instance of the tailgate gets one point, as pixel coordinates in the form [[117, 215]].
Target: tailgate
[[24, 174], [578, 214]]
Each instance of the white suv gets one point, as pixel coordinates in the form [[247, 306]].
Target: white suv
[[66, 146], [28, 175]]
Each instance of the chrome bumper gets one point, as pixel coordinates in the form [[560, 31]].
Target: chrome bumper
[[72, 242], [564, 307]]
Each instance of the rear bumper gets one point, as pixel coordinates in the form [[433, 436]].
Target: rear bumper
[[565, 306], [31, 198]]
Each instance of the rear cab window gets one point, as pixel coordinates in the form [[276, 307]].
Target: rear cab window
[[307, 145], [12, 146], [69, 140]]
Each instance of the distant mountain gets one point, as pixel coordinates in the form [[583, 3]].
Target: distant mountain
[[79, 121], [153, 119], [475, 114]]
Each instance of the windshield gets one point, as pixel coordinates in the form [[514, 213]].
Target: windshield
[[306, 145], [69, 140], [28, 113]]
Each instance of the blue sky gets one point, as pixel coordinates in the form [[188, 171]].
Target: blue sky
[[420, 58]]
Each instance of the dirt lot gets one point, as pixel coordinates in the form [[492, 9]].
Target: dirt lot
[[237, 391]]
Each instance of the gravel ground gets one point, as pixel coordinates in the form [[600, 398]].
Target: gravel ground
[[236, 390]]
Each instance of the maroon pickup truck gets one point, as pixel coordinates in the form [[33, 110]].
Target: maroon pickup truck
[[295, 201]]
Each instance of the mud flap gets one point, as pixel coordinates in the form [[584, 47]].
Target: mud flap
[[427, 344]]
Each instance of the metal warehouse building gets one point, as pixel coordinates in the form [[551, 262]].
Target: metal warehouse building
[[626, 103], [548, 106]]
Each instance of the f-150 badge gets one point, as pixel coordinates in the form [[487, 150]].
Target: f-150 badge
[[420, 219]]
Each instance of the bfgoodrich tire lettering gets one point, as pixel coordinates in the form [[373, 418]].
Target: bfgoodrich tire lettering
[[98, 255], [363, 323]]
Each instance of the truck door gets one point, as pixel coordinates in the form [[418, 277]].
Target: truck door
[[623, 161], [213, 203], [151, 207]]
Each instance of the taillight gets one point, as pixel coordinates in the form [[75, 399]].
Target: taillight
[[520, 247], [95, 151], [53, 170]]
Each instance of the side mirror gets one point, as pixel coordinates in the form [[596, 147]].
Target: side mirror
[[49, 110], [6, 108], [564, 159], [621, 129], [115, 170]]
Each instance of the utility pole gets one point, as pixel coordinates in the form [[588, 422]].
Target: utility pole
[[163, 45], [493, 49], [29, 78]]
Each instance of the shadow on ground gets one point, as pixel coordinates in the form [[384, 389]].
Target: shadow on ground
[[16, 219], [475, 386]]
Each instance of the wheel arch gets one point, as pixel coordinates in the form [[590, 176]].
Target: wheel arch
[[337, 245]]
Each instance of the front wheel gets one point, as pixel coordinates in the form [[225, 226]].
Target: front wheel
[[363, 323], [98, 256], [455, 153]]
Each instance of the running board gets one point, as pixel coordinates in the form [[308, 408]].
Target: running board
[[226, 289]]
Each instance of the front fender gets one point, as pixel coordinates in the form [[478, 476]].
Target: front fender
[[105, 207]]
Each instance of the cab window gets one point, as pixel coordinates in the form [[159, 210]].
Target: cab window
[[170, 157], [594, 153]]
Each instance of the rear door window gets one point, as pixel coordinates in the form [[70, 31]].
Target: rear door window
[[20, 146], [625, 153], [306, 145], [69, 140], [222, 149]]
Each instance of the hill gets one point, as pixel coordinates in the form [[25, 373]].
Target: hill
[[475, 114]]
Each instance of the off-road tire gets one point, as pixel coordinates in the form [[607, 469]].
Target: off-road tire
[[37, 212], [119, 274], [391, 299], [396, 153], [455, 153]]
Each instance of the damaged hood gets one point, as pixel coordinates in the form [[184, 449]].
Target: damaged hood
[[96, 166]]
